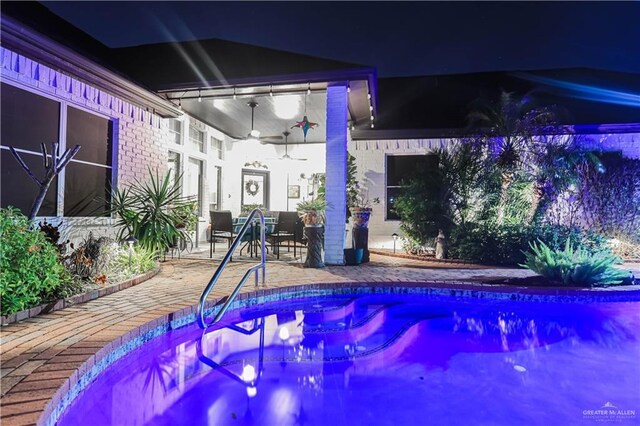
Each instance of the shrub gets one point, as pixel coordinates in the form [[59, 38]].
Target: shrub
[[142, 260], [578, 267], [610, 201], [30, 270], [151, 212], [504, 244], [99, 260]]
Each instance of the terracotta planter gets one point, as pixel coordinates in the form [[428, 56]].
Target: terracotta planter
[[361, 217]]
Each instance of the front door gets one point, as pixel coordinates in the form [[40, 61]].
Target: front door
[[255, 189]]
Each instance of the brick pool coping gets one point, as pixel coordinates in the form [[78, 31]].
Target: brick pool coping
[[46, 308], [82, 378]]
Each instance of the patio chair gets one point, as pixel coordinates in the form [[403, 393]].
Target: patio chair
[[286, 229], [222, 228]]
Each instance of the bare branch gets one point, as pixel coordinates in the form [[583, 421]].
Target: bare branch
[[66, 157], [54, 158], [45, 156], [24, 166]]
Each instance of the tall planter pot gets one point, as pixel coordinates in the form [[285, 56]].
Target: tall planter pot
[[315, 238], [360, 236]]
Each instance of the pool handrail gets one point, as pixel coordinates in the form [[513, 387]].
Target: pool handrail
[[202, 322]]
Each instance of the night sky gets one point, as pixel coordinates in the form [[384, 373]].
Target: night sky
[[400, 39]]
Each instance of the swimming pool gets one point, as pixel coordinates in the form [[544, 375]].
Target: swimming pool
[[367, 358]]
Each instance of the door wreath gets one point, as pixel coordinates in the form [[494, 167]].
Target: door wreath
[[252, 187]]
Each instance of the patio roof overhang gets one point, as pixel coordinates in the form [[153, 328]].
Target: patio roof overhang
[[224, 106]]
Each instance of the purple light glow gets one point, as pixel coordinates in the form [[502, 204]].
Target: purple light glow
[[375, 359]]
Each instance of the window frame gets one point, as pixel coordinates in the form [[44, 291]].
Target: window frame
[[179, 140], [219, 152], [64, 104], [198, 145], [386, 176]]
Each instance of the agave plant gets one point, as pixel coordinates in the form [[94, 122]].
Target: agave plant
[[151, 212], [572, 266]]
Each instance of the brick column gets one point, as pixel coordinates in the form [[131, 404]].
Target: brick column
[[336, 174]]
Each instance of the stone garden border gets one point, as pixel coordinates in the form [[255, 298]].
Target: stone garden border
[[78, 298]]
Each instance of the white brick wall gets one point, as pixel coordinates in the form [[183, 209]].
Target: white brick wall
[[140, 137], [371, 162]]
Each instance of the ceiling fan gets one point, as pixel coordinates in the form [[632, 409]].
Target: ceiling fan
[[286, 155], [254, 135]]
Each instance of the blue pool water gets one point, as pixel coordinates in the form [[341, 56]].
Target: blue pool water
[[381, 360]]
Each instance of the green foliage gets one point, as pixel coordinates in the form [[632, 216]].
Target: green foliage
[[248, 208], [186, 215], [352, 182], [424, 206], [30, 270], [610, 200], [101, 260], [489, 243], [142, 261], [575, 267], [148, 212], [449, 193], [312, 211]]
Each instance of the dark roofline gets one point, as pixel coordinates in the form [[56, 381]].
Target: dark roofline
[[21, 39], [578, 129]]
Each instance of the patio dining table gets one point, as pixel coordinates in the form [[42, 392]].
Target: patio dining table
[[252, 237]]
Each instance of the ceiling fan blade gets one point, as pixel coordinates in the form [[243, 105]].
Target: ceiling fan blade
[[268, 139]]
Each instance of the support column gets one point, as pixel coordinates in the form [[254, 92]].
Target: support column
[[336, 174]]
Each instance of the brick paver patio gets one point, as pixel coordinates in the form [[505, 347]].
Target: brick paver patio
[[39, 354]]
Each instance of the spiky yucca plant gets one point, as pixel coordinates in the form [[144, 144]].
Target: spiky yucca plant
[[571, 266]]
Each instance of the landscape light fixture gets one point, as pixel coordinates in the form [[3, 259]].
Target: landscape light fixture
[[394, 235], [131, 241], [199, 96], [349, 87], [308, 88]]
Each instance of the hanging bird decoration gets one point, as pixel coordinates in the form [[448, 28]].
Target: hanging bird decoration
[[305, 124]]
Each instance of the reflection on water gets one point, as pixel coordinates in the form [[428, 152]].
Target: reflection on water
[[378, 360]]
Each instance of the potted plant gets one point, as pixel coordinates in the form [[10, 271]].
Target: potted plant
[[360, 207], [312, 214]]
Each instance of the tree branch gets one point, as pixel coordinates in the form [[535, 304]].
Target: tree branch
[[66, 157], [45, 156], [24, 166]]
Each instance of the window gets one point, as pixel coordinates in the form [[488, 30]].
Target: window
[[28, 120], [87, 182], [216, 148], [216, 195], [175, 128], [400, 167], [174, 165], [197, 139], [193, 182], [20, 111]]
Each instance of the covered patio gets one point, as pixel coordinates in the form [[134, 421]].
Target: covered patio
[[279, 125]]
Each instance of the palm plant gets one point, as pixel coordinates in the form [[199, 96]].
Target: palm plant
[[509, 134], [557, 169]]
